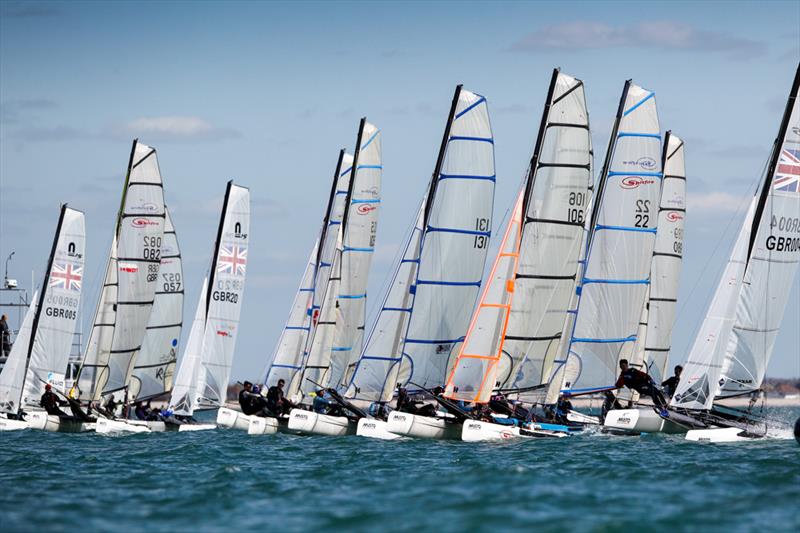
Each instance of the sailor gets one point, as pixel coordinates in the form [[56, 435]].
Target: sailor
[[250, 402], [140, 411], [277, 403], [5, 336], [50, 402], [671, 385], [111, 406], [641, 383], [325, 406], [563, 407]]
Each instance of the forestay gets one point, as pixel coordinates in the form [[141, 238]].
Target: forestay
[[623, 227], [154, 371], [731, 352], [358, 247], [130, 282], [653, 343], [554, 198]]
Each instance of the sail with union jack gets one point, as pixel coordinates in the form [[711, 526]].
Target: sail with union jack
[[787, 175], [65, 276], [232, 259]]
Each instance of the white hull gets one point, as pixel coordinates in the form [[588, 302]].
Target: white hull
[[106, 426], [719, 435], [264, 425], [580, 418], [422, 427], [375, 429], [42, 421], [6, 424], [310, 423], [479, 431], [228, 418], [643, 420]]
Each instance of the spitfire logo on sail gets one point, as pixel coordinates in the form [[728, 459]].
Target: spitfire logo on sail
[[232, 260], [632, 182], [674, 216], [363, 209], [64, 276]]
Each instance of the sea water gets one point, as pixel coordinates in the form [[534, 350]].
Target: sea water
[[226, 480]]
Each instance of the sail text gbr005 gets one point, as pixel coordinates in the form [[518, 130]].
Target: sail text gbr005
[[130, 283]]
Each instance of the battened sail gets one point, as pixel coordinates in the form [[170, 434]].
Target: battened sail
[[734, 345], [653, 345], [517, 349], [154, 371], [205, 383], [41, 350], [621, 241], [130, 282]]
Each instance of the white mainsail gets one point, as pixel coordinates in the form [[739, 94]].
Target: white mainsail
[[41, 350], [621, 241], [734, 345], [358, 246], [154, 370], [514, 337], [130, 282], [212, 339], [653, 345]]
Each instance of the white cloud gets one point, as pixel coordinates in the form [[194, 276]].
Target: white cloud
[[175, 128], [715, 202], [666, 35]]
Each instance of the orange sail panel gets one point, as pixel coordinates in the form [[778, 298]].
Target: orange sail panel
[[474, 374]]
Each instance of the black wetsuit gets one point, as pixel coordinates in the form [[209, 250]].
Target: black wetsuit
[[671, 385], [50, 403], [641, 383], [277, 402], [140, 412], [251, 403]]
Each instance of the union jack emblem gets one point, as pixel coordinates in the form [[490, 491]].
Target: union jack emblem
[[232, 260], [64, 276], [787, 175]]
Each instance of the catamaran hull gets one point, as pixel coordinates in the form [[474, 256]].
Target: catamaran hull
[[6, 424], [42, 421], [106, 426], [375, 429], [260, 425], [228, 418], [580, 418], [422, 427], [640, 421], [721, 435], [310, 423], [479, 431]]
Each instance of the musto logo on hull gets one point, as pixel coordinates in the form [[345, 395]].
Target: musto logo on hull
[[632, 182]]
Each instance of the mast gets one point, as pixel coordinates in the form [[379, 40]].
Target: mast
[[217, 245], [440, 159], [773, 163], [45, 282], [329, 210], [548, 103], [356, 153]]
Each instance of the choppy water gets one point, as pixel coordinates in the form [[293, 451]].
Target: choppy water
[[225, 480]]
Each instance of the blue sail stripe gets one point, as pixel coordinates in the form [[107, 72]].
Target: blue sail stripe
[[634, 134], [349, 249], [432, 229], [302, 328], [604, 341], [323, 264], [356, 201], [612, 173], [369, 141], [377, 167], [310, 289], [398, 309], [491, 178], [586, 281], [478, 139], [334, 223], [380, 358], [352, 296], [468, 109], [345, 172], [409, 260], [625, 228], [434, 341], [643, 100], [276, 365], [341, 349], [450, 283]]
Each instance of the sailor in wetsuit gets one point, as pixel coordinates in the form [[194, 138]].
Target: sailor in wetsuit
[[50, 402], [671, 385], [250, 402], [276, 401], [641, 383], [324, 406]]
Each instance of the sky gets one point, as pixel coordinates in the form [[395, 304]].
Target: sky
[[267, 94]]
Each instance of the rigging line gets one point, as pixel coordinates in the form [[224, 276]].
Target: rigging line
[[736, 215]]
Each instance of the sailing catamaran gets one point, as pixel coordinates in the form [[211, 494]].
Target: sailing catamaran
[[339, 332], [129, 286], [514, 337], [291, 350], [620, 241], [428, 303], [733, 346], [651, 354], [41, 351], [202, 379]]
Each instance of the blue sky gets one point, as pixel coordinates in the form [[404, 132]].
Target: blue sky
[[267, 93]]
